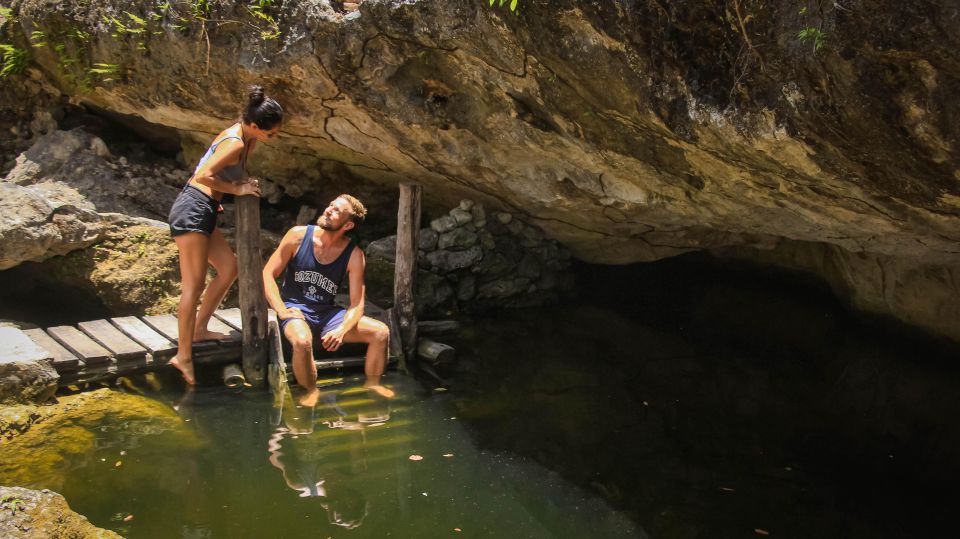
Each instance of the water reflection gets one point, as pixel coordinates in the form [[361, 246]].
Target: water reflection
[[321, 449]]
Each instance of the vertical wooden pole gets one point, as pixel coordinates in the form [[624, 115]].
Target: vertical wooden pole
[[404, 278], [253, 304]]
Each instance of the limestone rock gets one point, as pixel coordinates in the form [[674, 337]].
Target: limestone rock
[[25, 374], [26, 513], [384, 248], [443, 224], [457, 239], [33, 228], [428, 239], [461, 216], [447, 261]]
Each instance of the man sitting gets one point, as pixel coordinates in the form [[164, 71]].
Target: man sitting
[[313, 261]]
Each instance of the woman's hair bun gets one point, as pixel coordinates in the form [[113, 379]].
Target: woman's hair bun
[[256, 96]]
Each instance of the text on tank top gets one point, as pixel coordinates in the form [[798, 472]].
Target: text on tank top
[[307, 282]]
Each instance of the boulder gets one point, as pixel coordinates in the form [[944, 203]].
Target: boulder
[[457, 239], [26, 513], [26, 375], [447, 261], [34, 228]]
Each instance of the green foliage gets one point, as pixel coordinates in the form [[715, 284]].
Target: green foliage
[[38, 39], [513, 4], [260, 10], [12, 60], [13, 503], [813, 34]]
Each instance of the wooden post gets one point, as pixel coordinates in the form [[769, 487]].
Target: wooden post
[[253, 304], [404, 278]]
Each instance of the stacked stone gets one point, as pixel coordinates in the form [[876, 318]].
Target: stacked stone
[[470, 260]]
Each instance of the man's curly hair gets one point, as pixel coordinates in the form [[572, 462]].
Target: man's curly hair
[[359, 210]]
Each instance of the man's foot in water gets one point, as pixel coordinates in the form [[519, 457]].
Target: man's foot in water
[[383, 391], [185, 366], [309, 398]]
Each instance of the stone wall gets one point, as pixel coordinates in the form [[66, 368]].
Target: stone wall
[[473, 260]]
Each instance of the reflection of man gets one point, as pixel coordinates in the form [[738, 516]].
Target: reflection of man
[[313, 261], [314, 462]]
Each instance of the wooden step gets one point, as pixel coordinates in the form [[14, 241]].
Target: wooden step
[[218, 325], [232, 317], [82, 346], [166, 325], [136, 329], [63, 359], [111, 338]]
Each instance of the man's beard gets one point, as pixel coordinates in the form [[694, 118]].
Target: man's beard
[[327, 227]]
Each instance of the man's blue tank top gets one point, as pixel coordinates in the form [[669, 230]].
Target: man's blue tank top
[[310, 285]]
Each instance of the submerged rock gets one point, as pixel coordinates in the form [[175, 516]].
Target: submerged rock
[[43, 442], [26, 513]]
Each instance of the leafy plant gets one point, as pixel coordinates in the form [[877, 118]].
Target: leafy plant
[[513, 3], [12, 60], [814, 34], [13, 503]]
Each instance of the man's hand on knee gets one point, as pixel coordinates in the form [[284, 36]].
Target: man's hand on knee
[[290, 312], [333, 339]]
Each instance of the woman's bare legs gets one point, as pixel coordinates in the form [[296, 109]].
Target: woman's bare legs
[[221, 257], [192, 247]]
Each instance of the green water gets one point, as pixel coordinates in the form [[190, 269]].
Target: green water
[[244, 465]]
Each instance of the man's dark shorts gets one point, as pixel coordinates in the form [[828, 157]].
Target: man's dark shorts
[[320, 324]]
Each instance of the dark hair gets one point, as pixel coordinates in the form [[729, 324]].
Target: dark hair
[[262, 110]]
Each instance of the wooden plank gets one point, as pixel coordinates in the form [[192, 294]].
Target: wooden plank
[[404, 278], [218, 325], [82, 346], [15, 345], [339, 363], [231, 317], [113, 339], [253, 304], [63, 359], [166, 325], [134, 328]]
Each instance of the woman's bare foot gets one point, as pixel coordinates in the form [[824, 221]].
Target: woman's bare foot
[[207, 335], [185, 366]]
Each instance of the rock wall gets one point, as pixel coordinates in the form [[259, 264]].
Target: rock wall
[[470, 261], [628, 130]]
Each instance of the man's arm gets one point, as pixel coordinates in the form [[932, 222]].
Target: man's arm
[[355, 269], [274, 268]]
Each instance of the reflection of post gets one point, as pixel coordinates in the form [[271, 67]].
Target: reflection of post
[[253, 305], [404, 283]]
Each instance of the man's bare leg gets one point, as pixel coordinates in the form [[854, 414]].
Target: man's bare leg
[[376, 335], [223, 260], [192, 248], [304, 370]]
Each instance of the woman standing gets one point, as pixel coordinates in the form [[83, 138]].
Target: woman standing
[[193, 221]]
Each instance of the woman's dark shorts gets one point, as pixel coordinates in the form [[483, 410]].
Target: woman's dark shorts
[[193, 211]]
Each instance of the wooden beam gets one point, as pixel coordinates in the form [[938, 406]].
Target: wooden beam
[[133, 327], [63, 359], [404, 279], [113, 339], [253, 304], [84, 347]]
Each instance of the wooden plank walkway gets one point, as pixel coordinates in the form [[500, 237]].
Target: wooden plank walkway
[[99, 349]]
